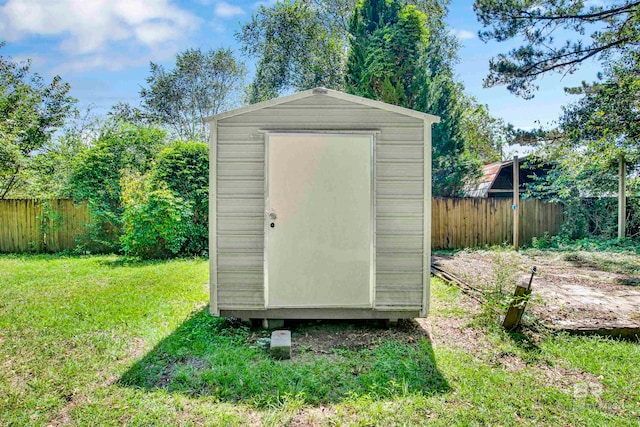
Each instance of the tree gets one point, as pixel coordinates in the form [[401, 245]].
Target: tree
[[201, 84], [401, 55], [606, 120], [96, 178], [124, 112], [387, 39], [155, 220], [51, 167], [298, 45], [30, 112], [486, 136], [397, 51], [543, 24], [603, 125], [593, 133], [453, 164]]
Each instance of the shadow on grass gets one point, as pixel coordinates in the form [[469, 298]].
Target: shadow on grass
[[524, 340], [209, 356]]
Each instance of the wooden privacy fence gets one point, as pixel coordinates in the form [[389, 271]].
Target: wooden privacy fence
[[41, 226], [468, 223], [55, 225]]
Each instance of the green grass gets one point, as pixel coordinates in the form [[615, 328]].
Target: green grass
[[103, 340]]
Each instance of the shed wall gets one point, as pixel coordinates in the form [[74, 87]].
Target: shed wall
[[399, 197]]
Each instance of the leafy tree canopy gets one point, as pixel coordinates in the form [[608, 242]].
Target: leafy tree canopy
[[51, 167], [404, 56], [607, 118], [200, 85], [585, 149], [546, 27], [30, 112], [298, 45], [398, 51]]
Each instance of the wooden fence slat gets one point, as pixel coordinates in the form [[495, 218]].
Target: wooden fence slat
[[21, 225], [459, 223], [456, 223]]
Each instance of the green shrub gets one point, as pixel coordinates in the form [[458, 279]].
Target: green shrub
[[155, 221], [184, 168], [564, 243], [97, 173]]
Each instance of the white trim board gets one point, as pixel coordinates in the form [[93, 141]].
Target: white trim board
[[320, 91]]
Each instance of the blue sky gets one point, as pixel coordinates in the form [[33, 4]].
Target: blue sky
[[103, 48]]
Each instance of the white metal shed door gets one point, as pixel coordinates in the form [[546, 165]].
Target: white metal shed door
[[319, 245]]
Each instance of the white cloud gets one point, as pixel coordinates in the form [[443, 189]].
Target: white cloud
[[117, 60], [226, 10], [90, 26], [463, 34]]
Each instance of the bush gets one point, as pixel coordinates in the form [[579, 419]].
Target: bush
[[597, 218], [155, 221], [184, 168], [563, 243], [97, 174]]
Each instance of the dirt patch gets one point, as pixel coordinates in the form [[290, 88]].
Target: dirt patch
[[575, 290], [312, 417], [455, 333], [510, 362], [329, 337], [566, 380], [136, 349], [325, 338]]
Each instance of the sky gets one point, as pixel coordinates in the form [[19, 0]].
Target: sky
[[103, 48]]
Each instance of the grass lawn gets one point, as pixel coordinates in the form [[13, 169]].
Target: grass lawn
[[104, 341]]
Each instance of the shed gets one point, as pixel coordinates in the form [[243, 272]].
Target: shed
[[320, 208], [497, 178]]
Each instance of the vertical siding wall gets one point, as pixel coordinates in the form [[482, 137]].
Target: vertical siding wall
[[399, 197], [468, 223], [24, 226]]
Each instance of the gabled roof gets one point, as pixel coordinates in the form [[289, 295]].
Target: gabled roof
[[320, 91], [490, 173]]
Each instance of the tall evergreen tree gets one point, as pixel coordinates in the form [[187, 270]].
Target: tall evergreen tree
[[397, 55], [387, 39]]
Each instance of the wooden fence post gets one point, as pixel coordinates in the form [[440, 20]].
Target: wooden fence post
[[622, 200], [516, 203], [518, 304]]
